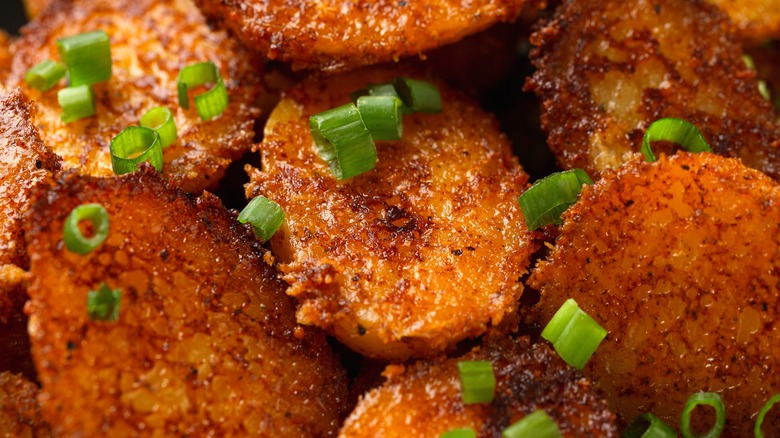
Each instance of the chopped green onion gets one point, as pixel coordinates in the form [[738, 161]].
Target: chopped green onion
[[45, 75], [477, 381], [133, 146], [678, 131], [76, 242], [749, 63], [762, 413], [460, 433], [76, 102], [574, 334], [418, 96], [648, 426], [763, 90], [382, 116], [160, 119], [88, 57], [537, 425], [343, 141], [264, 215], [387, 89], [549, 197], [103, 304], [211, 103], [704, 398]]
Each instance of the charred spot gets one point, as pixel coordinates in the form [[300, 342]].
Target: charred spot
[[361, 330], [685, 167], [629, 203], [38, 164], [470, 248], [657, 8], [457, 252], [164, 254], [70, 345], [397, 220]]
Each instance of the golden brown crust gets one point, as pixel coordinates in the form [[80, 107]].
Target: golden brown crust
[[424, 399], [423, 251], [5, 55], [757, 20], [336, 35], [20, 414], [206, 342], [678, 261], [35, 7], [151, 41], [608, 69], [25, 162]]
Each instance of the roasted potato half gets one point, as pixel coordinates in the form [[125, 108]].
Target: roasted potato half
[[25, 162], [151, 41], [424, 399], [608, 69], [678, 260], [20, 413], [405, 260], [338, 35], [205, 343]]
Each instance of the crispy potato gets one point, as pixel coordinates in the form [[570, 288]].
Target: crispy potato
[[5, 55], [20, 414], [151, 41], [206, 342], [608, 69], [26, 162], [424, 399], [337, 35], [35, 7], [678, 261], [757, 20], [423, 251]]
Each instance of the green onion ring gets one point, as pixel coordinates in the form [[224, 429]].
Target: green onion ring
[[211, 103], [160, 119], [382, 116], [133, 146], [477, 381], [678, 131], [761, 414], [88, 57], [548, 198], [264, 215], [537, 425], [77, 103], [76, 242], [704, 398], [343, 141], [45, 75], [648, 426]]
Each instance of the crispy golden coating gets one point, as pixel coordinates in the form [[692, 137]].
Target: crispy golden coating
[[424, 399], [151, 41], [20, 414], [757, 20], [608, 69], [421, 252], [336, 35], [24, 163], [35, 7], [206, 343], [678, 261], [5, 55]]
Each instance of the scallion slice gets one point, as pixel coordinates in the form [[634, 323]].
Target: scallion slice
[[477, 381], [76, 102], [708, 399], [133, 146], [75, 241], [264, 215], [574, 334], [387, 89], [678, 131], [537, 425], [45, 75], [88, 57], [549, 197], [460, 433], [757, 432], [211, 103], [763, 90], [160, 119], [103, 304], [749, 63], [382, 116], [418, 96], [648, 426], [343, 141]]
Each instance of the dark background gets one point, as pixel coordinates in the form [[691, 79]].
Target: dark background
[[12, 16]]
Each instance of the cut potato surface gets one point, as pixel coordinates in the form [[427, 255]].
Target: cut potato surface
[[20, 414], [678, 260], [205, 343], [424, 399], [336, 35], [407, 259], [151, 41], [608, 69]]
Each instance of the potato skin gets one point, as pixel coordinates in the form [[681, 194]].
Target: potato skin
[[409, 258], [151, 41], [20, 414], [757, 20], [608, 69], [678, 261], [26, 162], [424, 399], [336, 35], [206, 343]]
